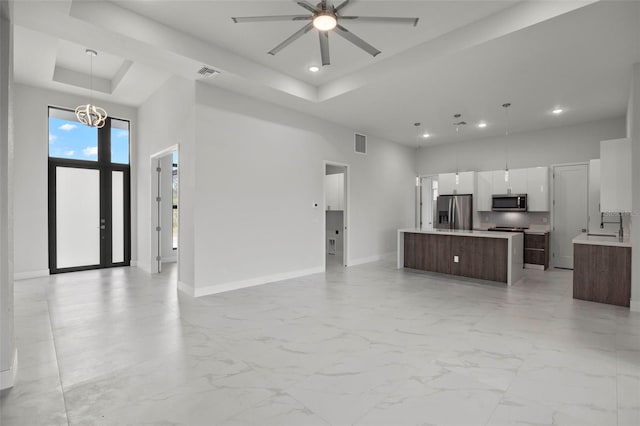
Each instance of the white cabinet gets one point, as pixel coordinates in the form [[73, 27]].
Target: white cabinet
[[465, 184], [517, 183], [538, 189], [498, 182], [485, 191], [334, 188], [615, 175]]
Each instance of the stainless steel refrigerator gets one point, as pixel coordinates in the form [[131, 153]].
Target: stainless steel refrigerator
[[454, 212]]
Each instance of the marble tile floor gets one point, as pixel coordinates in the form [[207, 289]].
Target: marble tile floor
[[365, 345]]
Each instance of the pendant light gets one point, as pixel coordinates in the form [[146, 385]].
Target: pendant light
[[89, 114], [506, 142], [458, 124]]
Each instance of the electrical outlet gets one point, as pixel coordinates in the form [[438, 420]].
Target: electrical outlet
[[456, 259]]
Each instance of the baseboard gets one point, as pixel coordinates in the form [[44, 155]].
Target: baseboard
[[8, 377], [634, 306], [30, 274], [170, 259], [140, 265], [376, 258], [186, 288], [236, 285], [533, 266]]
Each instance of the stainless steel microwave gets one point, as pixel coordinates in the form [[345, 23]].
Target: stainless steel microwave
[[509, 203]]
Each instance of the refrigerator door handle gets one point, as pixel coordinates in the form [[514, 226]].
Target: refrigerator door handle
[[455, 213], [450, 213]]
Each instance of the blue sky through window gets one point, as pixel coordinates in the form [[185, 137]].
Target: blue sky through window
[[120, 146], [71, 139]]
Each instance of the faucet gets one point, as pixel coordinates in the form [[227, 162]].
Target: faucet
[[601, 220], [621, 231]]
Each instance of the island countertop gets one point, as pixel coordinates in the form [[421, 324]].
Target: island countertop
[[598, 240], [462, 232]]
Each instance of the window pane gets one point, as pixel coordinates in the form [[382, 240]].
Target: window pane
[[77, 217], [68, 138], [119, 141], [117, 218]]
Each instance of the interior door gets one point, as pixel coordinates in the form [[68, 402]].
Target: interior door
[[570, 211]]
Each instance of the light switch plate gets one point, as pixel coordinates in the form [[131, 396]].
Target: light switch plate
[[456, 259]]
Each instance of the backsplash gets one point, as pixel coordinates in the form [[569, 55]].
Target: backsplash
[[513, 219]]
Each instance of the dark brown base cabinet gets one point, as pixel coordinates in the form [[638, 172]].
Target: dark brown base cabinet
[[478, 257], [602, 274], [536, 249]]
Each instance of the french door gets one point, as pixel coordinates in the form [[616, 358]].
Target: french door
[[89, 208]]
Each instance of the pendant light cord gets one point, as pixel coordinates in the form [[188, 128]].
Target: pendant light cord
[[506, 134]]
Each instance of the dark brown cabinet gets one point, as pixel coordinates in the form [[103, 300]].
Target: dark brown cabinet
[[536, 249], [477, 257], [602, 274]]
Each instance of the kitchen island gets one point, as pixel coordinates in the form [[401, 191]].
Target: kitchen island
[[492, 256], [602, 269]]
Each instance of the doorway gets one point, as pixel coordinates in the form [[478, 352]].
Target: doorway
[[164, 231], [89, 194], [427, 197], [336, 177], [570, 210]]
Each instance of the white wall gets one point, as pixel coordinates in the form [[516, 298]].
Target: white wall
[[259, 170], [559, 145], [7, 340], [31, 153], [633, 119], [164, 120]]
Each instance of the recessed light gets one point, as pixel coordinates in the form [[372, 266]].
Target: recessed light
[[557, 111], [482, 125], [314, 69], [426, 135]]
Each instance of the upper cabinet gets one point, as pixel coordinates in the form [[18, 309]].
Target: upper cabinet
[[464, 184], [538, 189], [615, 176], [533, 181], [485, 191], [334, 187], [516, 184]]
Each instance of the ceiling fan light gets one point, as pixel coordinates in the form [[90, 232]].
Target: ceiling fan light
[[324, 21]]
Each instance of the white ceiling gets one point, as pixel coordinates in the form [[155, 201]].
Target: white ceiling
[[464, 57]]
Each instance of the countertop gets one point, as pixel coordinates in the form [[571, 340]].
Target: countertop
[[602, 241], [462, 233]]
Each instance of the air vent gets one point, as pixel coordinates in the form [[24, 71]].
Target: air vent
[[207, 72], [361, 144]]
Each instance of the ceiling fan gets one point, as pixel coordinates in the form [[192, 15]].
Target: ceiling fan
[[325, 18]]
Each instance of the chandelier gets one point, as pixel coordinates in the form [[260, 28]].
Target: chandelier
[[89, 114]]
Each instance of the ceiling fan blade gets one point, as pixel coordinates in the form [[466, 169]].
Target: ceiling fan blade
[[311, 8], [324, 47], [302, 31], [343, 4], [271, 18], [382, 19], [348, 35]]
